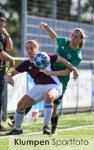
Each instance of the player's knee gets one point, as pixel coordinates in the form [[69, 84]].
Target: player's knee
[[49, 98], [20, 106]]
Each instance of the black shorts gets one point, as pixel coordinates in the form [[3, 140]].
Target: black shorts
[[58, 100]]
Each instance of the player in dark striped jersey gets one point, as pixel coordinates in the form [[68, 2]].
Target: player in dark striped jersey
[[5, 45]]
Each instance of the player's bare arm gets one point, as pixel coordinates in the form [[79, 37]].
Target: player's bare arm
[[9, 43], [10, 77], [65, 72], [52, 34], [5, 56]]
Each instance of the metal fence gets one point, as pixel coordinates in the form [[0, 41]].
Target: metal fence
[[62, 28]]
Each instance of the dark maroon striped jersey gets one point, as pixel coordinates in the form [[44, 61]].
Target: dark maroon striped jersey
[[33, 71]]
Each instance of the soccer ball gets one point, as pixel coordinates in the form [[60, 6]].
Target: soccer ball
[[41, 60]]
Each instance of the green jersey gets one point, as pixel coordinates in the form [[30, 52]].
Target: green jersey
[[73, 56]]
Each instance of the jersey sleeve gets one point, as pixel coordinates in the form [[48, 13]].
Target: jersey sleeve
[[53, 57], [61, 41], [21, 67]]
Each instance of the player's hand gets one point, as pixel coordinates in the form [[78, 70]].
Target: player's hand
[[10, 80], [45, 72], [43, 25], [12, 62], [75, 73], [4, 31]]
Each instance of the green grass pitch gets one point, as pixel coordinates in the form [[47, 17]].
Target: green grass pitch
[[74, 132]]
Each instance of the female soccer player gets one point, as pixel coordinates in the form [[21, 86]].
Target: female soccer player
[[46, 87], [70, 50]]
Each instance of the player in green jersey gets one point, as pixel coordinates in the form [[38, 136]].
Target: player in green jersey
[[70, 50]]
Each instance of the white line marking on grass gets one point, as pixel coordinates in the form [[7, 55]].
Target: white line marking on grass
[[75, 128], [26, 134], [37, 133]]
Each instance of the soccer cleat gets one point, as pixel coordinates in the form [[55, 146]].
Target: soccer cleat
[[15, 132], [2, 129], [46, 130]]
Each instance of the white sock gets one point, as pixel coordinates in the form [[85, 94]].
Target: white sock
[[19, 116], [48, 109]]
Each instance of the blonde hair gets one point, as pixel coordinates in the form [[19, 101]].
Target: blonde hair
[[83, 35], [34, 42]]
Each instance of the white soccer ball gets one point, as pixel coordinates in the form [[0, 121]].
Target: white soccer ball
[[41, 60]]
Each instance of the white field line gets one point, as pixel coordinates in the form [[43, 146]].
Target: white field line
[[36, 133]]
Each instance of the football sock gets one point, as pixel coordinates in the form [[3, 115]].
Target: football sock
[[19, 116], [26, 112], [48, 109], [54, 120]]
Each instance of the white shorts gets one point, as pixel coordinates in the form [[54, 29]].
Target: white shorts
[[38, 91]]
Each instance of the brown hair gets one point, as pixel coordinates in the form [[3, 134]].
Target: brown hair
[[83, 35]]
